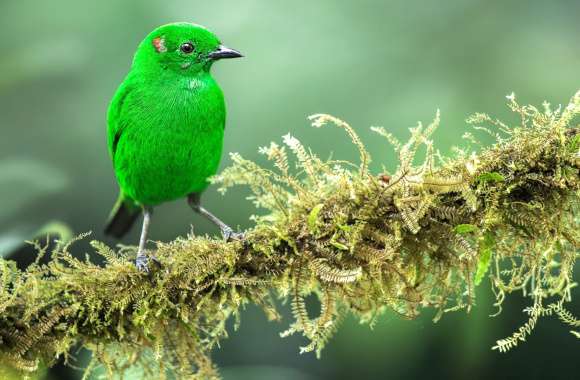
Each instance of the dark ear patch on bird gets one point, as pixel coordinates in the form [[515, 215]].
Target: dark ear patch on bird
[[159, 44]]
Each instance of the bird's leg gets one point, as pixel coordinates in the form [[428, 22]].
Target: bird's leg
[[228, 233], [142, 261]]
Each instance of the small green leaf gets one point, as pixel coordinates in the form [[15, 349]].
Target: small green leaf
[[313, 218], [339, 245], [482, 265], [465, 228], [344, 227], [491, 177], [574, 144], [485, 251]]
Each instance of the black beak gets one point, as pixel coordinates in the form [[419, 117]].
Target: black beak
[[224, 52]]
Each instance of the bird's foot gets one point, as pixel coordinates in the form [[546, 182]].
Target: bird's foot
[[229, 234], [142, 262]]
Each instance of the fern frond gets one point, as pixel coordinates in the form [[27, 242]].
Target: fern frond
[[110, 256], [321, 119], [506, 344], [389, 136], [304, 158], [443, 184], [410, 219], [298, 306], [330, 274]]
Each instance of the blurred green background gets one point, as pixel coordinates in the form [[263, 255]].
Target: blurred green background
[[372, 63]]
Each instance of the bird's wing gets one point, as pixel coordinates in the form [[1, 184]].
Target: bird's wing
[[116, 116]]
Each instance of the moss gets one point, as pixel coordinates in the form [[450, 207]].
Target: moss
[[415, 240]]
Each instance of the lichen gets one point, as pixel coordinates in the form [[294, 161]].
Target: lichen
[[418, 239]]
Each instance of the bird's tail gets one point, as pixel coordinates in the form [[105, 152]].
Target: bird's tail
[[122, 217]]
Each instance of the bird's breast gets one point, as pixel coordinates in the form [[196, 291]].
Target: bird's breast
[[175, 143]]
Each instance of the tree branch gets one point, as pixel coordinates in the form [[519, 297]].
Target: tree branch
[[419, 238]]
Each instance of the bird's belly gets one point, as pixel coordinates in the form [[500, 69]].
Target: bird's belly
[[167, 163]]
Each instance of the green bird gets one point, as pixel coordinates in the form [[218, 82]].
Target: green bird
[[166, 127]]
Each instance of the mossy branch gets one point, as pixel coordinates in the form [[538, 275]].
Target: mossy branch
[[419, 238]]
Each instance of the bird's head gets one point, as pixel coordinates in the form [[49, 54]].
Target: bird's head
[[183, 48]]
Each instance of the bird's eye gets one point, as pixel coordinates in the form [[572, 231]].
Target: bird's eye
[[187, 48]]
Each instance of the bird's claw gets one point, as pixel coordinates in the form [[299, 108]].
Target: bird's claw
[[229, 234], [142, 262]]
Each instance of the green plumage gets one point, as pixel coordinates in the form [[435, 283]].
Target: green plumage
[[166, 121], [166, 128]]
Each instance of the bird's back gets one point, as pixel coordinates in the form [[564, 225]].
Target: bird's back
[[165, 136]]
